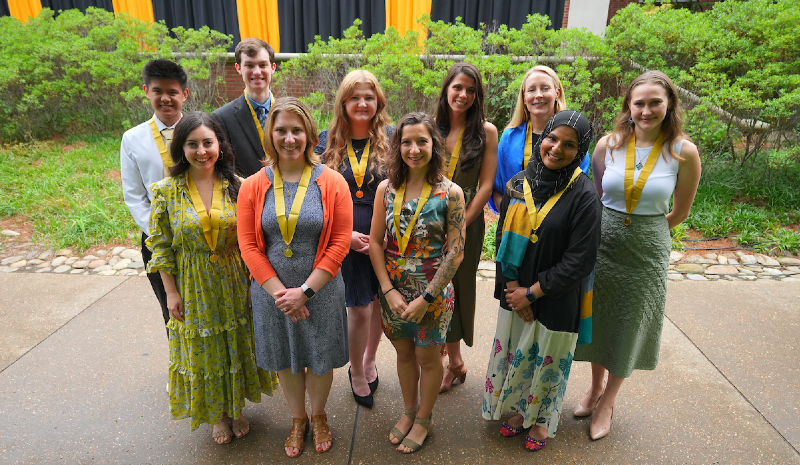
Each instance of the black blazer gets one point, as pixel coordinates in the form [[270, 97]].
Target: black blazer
[[238, 124]]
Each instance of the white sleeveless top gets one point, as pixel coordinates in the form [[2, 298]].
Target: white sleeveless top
[[658, 189]]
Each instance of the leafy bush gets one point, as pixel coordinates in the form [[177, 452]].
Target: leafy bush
[[82, 72]]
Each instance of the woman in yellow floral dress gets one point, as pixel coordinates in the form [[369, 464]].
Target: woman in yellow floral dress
[[212, 367]]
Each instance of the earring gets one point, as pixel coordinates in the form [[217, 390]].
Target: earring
[[630, 121], [221, 153]]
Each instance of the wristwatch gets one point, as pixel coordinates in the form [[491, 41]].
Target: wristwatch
[[531, 296], [307, 290], [428, 297]]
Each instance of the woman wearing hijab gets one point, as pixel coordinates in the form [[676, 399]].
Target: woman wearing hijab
[[550, 217]]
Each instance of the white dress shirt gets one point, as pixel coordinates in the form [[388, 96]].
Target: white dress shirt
[[140, 166]]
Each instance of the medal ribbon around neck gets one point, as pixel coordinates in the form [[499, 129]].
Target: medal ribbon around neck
[[402, 241], [359, 167], [633, 193], [255, 118], [208, 220], [288, 227], [451, 168], [162, 147], [537, 215], [528, 146]]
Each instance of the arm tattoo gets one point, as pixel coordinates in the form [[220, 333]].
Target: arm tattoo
[[455, 243]]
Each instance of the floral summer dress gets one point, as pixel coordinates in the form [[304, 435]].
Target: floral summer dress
[[212, 368], [426, 248]]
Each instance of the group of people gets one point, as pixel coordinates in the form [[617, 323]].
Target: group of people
[[280, 253]]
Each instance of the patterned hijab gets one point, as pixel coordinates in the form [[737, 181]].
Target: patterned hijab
[[544, 181]]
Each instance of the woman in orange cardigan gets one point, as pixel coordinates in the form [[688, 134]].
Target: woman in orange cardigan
[[295, 221]]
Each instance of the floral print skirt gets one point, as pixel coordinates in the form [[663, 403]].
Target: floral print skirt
[[528, 371]]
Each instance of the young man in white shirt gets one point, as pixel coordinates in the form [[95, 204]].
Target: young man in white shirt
[[144, 152], [243, 119]]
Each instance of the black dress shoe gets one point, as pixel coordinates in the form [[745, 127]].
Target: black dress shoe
[[373, 386], [367, 401]]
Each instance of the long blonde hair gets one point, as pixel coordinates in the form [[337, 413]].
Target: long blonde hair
[[671, 127], [521, 114], [339, 130]]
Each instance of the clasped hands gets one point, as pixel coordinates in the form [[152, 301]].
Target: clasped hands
[[292, 302], [517, 298], [413, 311]]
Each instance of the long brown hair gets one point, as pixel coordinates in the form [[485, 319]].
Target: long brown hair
[[671, 127], [339, 130], [397, 170], [291, 105], [473, 143]]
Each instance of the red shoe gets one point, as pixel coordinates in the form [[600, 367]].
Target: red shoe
[[534, 444]]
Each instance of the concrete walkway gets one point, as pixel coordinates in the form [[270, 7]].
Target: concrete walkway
[[84, 358]]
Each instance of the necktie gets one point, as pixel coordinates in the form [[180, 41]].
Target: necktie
[[261, 112], [167, 133]]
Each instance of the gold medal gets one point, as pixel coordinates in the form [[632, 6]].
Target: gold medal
[[209, 220], [536, 215], [402, 240], [288, 226], [401, 261], [634, 191], [213, 258], [288, 252], [534, 238], [627, 221], [359, 167], [359, 194]]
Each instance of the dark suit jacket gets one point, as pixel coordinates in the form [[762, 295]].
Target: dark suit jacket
[[238, 124]]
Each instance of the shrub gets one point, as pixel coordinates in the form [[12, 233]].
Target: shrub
[[81, 72]]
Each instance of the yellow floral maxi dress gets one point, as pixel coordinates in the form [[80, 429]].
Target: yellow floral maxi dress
[[212, 368]]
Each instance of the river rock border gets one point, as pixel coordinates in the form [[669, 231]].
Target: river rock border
[[119, 261]]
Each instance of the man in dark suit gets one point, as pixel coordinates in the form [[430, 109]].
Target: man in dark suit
[[243, 119]]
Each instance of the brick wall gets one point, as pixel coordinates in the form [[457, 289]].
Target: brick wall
[[566, 15], [233, 86]]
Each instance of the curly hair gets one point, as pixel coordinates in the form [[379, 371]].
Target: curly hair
[[473, 143], [521, 114], [397, 170], [295, 106], [224, 167], [671, 127], [339, 130]]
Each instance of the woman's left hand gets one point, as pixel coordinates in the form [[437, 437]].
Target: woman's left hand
[[416, 310], [292, 302]]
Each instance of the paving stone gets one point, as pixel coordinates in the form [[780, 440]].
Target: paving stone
[[46, 254], [9, 233], [765, 276], [94, 264], [721, 269], [712, 277], [722, 259], [733, 261], [126, 272], [749, 277], [31, 254], [793, 269], [122, 264], [731, 278], [487, 273], [102, 253], [689, 268], [46, 269], [675, 256], [44, 264], [486, 265], [117, 250], [10, 260], [71, 260], [7, 269], [693, 259], [107, 273], [113, 260], [19, 264], [739, 253], [58, 261], [131, 254], [102, 268], [710, 256], [675, 277], [76, 271], [755, 268], [34, 262], [80, 264], [773, 271], [136, 265], [764, 260], [64, 253], [670, 267], [744, 271], [748, 259], [788, 261], [89, 258], [696, 277], [791, 280], [62, 269]]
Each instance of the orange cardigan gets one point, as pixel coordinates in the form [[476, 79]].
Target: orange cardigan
[[337, 226]]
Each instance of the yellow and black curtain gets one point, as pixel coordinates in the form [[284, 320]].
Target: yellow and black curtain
[[290, 25]]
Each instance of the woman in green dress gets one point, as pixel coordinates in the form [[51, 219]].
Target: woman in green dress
[[471, 162], [193, 238]]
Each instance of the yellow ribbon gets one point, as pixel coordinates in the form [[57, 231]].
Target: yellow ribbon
[[162, 147], [255, 118], [632, 193], [288, 227], [359, 167], [208, 220], [528, 146], [536, 215], [402, 241], [451, 168]]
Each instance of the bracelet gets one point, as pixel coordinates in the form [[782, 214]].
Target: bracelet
[[390, 290]]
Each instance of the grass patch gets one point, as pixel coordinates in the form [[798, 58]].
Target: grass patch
[[70, 190]]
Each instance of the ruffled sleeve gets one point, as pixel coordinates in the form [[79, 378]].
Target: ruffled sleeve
[[161, 234]]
